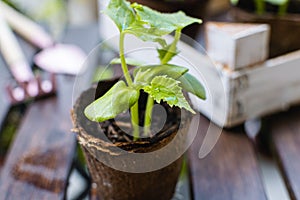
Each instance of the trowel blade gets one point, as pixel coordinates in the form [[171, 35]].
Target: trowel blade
[[61, 58]]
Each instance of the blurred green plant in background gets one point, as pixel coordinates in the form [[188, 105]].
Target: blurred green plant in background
[[261, 7]]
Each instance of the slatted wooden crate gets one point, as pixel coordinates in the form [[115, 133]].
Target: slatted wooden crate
[[254, 86]]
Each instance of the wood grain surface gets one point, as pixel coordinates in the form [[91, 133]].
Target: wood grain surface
[[285, 129], [39, 161], [229, 171]]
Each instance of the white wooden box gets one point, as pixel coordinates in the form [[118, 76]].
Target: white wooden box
[[237, 45], [254, 92]]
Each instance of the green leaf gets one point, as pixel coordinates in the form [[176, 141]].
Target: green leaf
[[121, 13], [102, 73], [190, 84], [117, 100], [167, 89], [145, 23], [129, 61], [165, 22], [147, 34], [144, 75], [126, 20], [162, 53]]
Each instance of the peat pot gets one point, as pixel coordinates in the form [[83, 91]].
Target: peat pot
[[124, 169]]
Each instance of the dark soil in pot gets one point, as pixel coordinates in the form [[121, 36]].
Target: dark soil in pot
[[98, 146], [193, 8], [285, 30]]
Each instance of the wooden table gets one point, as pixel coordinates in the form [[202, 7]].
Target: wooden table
[[40, 157]]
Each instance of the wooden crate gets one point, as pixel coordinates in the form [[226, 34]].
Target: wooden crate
[[254, 86]]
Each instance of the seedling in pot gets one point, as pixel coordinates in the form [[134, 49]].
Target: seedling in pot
[[162, 82]]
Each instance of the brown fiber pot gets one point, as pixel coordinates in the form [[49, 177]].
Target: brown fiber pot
[[285, 30], [193, 8], [112, 184]]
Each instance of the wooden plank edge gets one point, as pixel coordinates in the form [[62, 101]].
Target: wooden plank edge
[[231, 169]]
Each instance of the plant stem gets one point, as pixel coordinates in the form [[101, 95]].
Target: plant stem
[[260, 6], [172, 48], [134, 110], [150, 100], [148, 115], [282, 10], [123, 61]]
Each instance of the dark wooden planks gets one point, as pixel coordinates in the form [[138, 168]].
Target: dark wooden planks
[[230, 171], [4, 103], [41, 154], [285, 129], [39, 161]]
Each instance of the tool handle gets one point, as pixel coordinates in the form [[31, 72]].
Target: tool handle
[[26, 27], [12, 53]]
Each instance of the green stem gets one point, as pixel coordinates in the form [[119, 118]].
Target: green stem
[[283, 8], [172, 48], [260, 6], [148, 115], [134, 110], [123, 61], [150, 100]]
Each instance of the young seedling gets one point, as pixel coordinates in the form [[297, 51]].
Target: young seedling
[[162, 82]]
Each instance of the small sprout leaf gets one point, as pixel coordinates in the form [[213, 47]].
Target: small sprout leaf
[[121, 13], [167, 89], [167, 22]]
